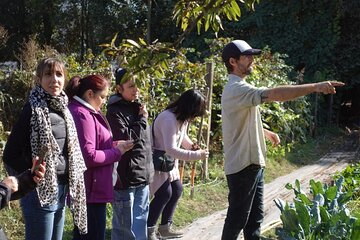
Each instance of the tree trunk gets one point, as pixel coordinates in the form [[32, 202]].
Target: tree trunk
[[47, 13], [148, 30], [84, 28]]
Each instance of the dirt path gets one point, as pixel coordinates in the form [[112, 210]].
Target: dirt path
[[210, 227]]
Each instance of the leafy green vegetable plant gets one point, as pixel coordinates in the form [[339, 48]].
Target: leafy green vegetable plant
[[320, 215], [351, 175]]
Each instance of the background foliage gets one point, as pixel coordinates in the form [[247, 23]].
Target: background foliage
[[320, 38], [167, 43]]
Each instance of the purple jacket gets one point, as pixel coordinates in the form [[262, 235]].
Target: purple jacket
[[97, 148]]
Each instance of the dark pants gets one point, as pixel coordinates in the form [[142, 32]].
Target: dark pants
[[165, 201], [96, 217], [246, 204]]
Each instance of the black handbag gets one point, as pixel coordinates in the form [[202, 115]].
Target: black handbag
[[162, 161]]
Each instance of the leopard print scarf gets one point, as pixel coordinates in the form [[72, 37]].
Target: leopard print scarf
[[41, 134]]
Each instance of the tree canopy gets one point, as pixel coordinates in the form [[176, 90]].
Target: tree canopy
[[320, 38]]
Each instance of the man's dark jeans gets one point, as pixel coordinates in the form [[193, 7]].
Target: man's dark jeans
[[246, 204]]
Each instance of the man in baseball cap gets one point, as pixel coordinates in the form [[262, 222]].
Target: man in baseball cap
[[237, 48], [244, 137]]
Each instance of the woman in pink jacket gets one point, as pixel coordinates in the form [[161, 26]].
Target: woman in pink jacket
[[169, 133], [87, 96]]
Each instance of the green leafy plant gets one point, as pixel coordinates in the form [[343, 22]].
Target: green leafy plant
[[323, 215], [162, 72], [351, 175]]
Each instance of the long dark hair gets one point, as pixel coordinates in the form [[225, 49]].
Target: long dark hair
[[78, 86], [189, 105]]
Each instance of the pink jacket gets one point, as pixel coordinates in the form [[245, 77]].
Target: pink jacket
[[97, 148], [168, 133]]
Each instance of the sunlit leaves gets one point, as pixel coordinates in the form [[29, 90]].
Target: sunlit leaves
[[141, 58], [208, 13], [160, 71]]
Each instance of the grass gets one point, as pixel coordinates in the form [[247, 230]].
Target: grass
[[207, 198], [12, 221], [283, 161], [210, 196]]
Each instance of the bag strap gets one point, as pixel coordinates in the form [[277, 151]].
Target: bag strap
[[152, 128]]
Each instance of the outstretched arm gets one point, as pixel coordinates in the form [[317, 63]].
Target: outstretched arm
[[285, 93]]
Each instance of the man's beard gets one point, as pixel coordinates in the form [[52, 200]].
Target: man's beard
[[249, 70]]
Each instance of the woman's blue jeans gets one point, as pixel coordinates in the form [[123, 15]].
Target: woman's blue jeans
[[246, 204], [130, 213], [44, 223]]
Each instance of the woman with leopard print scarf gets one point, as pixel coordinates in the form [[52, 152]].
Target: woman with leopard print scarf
[[46, 121]]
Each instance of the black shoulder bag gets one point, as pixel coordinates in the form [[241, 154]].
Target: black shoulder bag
[[162, 161]]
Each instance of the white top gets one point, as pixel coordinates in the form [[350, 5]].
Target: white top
[[243, 134]]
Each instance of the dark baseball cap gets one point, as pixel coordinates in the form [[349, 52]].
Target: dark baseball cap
[[119, 74], [236, 48]]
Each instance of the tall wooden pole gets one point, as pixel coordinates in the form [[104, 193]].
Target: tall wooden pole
[[209, 78]]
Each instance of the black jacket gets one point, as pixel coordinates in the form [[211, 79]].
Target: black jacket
[[135, 167], [17, 153], [25, 185]]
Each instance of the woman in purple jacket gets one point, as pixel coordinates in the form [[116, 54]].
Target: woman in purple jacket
[[87, 96]]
